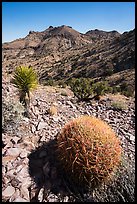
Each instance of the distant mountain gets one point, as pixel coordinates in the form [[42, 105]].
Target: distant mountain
[[62, 52], [98, 34]]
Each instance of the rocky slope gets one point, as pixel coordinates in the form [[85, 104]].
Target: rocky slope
[[62, 52], [30, 171]]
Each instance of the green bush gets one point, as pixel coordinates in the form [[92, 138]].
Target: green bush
[[116, 89], [50, 82], [89, 151], [100, 88], [109, 68], [127, 89], [81, 87], [128, 93], [86, 88], [109, 72]]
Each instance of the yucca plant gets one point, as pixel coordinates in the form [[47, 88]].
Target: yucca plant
[[25, 79], [88, 151]]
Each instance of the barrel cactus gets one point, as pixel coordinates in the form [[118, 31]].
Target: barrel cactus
[[88, 150]]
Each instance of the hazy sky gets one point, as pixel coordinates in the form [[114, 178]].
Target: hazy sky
[[18, 18]]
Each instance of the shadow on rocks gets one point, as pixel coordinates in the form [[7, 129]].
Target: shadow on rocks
[[50, 179], [47, 175]]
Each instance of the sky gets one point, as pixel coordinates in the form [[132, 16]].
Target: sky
[[18, 18]]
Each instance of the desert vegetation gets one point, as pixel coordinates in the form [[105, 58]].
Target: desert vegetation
[[25, 79], [89, 151]]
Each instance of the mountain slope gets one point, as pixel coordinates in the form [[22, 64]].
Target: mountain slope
[[62, 53]]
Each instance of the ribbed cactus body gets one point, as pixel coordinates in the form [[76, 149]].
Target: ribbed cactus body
[[89, 150]]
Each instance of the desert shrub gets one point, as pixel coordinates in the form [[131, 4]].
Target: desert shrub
[[86, 88], [116, 89], [25, 79], [109, 69], [62, 84], [126, 89], [81, 87], [128, 92], [12, 114], [89, 151], [50, 82], [119, 105], [64, 93], [109, 72], [99, 88]]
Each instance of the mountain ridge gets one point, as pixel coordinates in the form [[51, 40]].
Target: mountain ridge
[[51, 27], [61, 53]]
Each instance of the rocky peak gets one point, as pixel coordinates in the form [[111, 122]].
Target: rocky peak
[[62, 31], [31, 32], [97, 34]]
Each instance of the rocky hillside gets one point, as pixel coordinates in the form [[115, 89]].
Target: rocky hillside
[[62, 53], [30, 171]]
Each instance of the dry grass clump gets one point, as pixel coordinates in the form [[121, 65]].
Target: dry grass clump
[[53, 109]]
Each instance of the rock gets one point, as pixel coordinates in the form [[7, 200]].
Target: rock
[[66, 199], [41, 125], [11, 172], [9, 144], [19, 199], [41, 194], [33, 129], [70, 104], [15, 140], [55, 118], [15, 182], [9, 191], [26, 119], [7, 158], [15, 195], [132, 137], [23, 173], [6, 180], [18, 168], [13, 151], [26, 181], [3, 169], [44, 139], [23, 154], [24, 192], [52, 198]]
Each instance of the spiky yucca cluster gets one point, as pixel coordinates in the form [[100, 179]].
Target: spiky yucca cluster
[[89, 150], [25, 79]]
